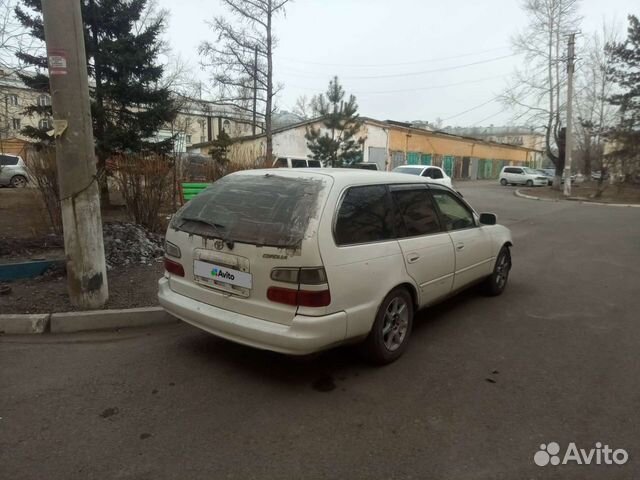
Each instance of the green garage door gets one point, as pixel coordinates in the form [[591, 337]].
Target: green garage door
[[426, 159], [447, 165], [413, 158]]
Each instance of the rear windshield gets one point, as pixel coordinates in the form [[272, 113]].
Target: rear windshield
[[268, 209], [412, 171]]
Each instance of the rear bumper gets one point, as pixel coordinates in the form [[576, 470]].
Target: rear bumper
[[305, 334]]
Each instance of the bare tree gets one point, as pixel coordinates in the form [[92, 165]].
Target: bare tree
[[242, 59], [594, 114], [538, 88]]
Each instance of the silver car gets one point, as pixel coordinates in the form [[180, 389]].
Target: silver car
[[12, 171]]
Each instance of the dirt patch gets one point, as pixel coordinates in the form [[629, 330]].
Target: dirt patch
[[130, 287], [587, 192]]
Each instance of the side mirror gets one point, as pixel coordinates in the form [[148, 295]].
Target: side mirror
[[488, 218]]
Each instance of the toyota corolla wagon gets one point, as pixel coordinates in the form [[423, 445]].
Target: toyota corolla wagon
[[297, 261]]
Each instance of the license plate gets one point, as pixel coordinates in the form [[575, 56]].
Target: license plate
[[217, 273]]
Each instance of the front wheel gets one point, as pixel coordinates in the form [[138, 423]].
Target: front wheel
[[503, 182], [529, 183], [391, 329], [495, 284]]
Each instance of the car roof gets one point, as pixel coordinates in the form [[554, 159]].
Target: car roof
[[342, 176], [414, 166]]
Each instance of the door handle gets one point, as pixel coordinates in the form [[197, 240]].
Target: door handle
[[459, 246], [413, 257]]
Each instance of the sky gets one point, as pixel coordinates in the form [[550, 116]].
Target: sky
[[403, 59]]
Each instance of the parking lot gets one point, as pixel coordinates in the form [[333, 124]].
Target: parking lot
[[483, 384]]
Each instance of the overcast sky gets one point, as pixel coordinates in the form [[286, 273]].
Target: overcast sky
[[403, 59]]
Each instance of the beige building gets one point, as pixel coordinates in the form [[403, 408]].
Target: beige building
[[197, 121]]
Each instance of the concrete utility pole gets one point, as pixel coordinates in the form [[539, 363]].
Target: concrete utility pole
[[569, 144], [75, 157]]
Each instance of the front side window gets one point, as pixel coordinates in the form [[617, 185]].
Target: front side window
[[417, 212], [455, 215], [282, 163], [364, 216]]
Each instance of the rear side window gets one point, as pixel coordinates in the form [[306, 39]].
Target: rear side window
[[269, 209], [314, 163], [298, 163], [282, 163], [6, 160], [364, 216], [455, 215], [417, 212]]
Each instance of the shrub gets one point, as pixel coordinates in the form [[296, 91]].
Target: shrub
[[42, 168], [146, 183]]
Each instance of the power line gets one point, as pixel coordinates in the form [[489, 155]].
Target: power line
[[407, 74], [491, 100], [405, 90], [416, 62]]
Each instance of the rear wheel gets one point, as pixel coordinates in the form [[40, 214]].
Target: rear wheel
[[495, 284], [529, 183], [18, 181], [503, 182], [391, 329]]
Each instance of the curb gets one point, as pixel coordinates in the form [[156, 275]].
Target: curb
[[70, 322], [19, 324], [582, 201]]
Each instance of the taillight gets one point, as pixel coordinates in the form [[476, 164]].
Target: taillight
[[173, 267], [299, 298], [308, 298], [283, 295]]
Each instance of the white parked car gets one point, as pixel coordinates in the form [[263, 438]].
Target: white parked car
[[522, 176], [297, 261], [291, 162], [436, 174], [13, 171]]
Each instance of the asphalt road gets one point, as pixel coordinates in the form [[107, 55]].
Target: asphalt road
[[483, 384]]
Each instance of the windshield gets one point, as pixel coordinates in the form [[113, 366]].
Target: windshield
[[268, 209], [409, 170]]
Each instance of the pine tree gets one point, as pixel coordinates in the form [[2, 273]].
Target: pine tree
[[625, 72], [338, 145], [128, 104]]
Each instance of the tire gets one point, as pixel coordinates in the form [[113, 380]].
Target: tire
[[529, 183], [389, 335], [504, 182], [18, 181], [495, 283]]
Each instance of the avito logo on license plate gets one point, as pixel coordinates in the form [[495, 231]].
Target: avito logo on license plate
[[222, 274]]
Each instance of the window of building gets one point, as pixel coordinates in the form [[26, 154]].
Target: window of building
[[12, 100], [417, 211], [365, 215], [188, 139], [45, 124], [226, 126], [455, 215], [15, 123], [44, 100]]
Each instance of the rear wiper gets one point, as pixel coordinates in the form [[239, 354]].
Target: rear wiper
[[216, 226]]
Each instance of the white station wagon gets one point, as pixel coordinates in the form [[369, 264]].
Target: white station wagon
[[297, 261]]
